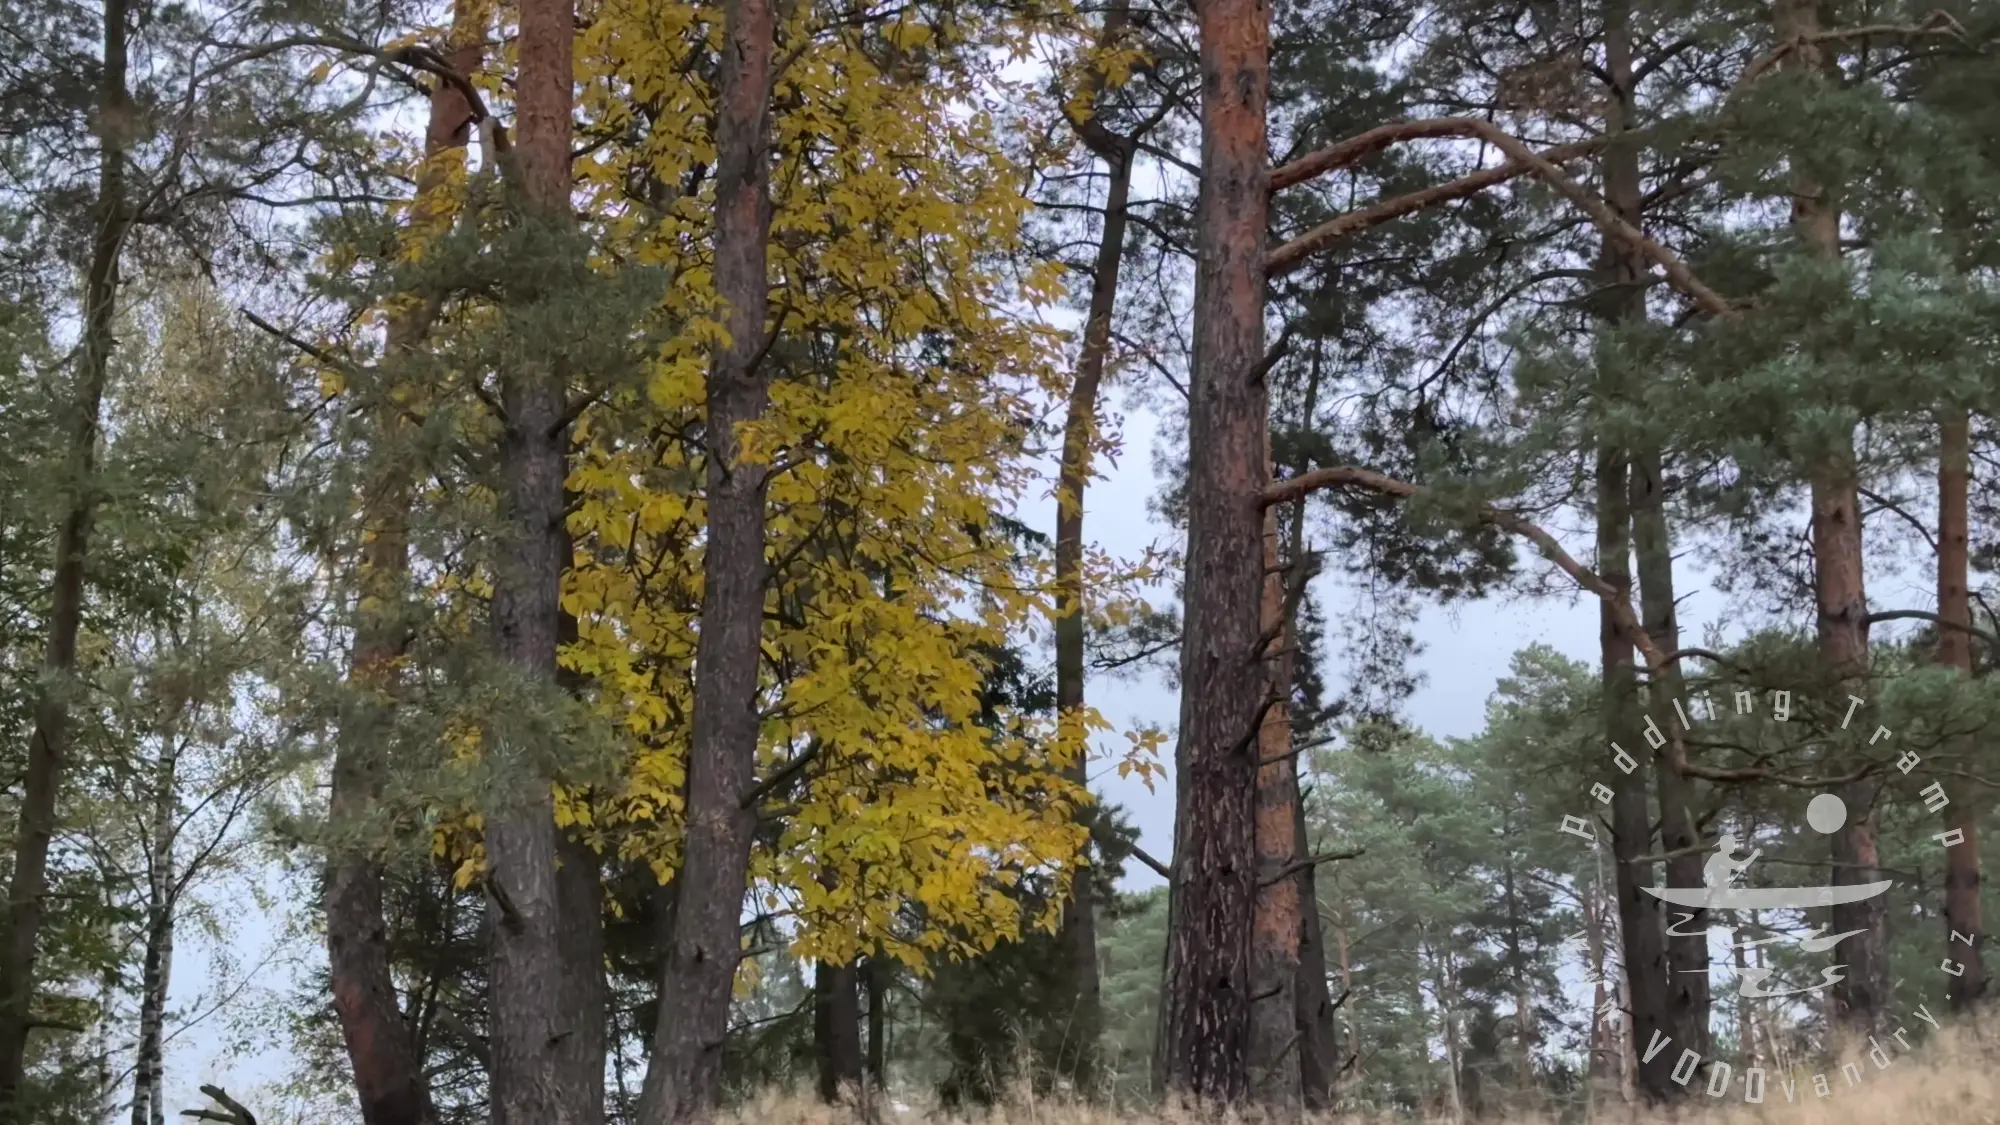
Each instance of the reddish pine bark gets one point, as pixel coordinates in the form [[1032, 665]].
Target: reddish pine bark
[[1207, 1000], [388, 1070]]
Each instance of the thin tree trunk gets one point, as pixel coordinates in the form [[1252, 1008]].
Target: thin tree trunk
[[156, 963], [1602, 1042], [535, 1013], [1628, 1051], [1961, 861], [1319, 1062], [1350, 1000], [1274, 964], [387, 1063], [876, 974], [1642, 934], [837, 1030], [49, 741], [1319, 1066], [1524, 1004], [1448, 1026], [1223, 679], [1078, 1060], [1746, 1025], [684, 1081], [581, 1053], [1840, 593], [581, 937]]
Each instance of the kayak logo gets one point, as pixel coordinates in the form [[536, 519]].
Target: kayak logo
[[1721, 895], [1826, 815]]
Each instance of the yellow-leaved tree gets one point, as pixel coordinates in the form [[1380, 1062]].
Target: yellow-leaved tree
[[908, 372]]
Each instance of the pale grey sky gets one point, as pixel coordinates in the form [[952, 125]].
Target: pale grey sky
[[1466, 648]]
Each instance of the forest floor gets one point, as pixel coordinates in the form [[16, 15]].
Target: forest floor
[[1953, 1083]]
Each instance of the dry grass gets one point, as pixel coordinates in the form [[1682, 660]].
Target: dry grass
[[1952, 1082]]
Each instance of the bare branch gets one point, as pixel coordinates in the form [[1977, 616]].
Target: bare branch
[[1528, 160], [784, 774], [1926, 615], [233, 1112], [1308, 863], [1160, 869], [1288, 256], [1353, 150]]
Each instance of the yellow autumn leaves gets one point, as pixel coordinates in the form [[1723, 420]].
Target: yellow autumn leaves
[[909, 378]]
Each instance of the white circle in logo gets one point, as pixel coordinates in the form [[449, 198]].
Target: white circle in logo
[[1826, 814]]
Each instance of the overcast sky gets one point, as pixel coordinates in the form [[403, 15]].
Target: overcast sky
[[1464, 649]]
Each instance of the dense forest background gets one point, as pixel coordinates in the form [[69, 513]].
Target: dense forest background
[[546, 501]]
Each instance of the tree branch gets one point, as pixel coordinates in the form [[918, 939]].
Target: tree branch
[[1308, 863], [1160, 869], [1353, 150], [1926, 615], [345, 367], [1520, 159], [233, 1111], [1289, 255], [1619, 605], [784, 774], [415, 56]]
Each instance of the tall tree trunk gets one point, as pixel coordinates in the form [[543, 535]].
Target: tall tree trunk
[[1642, 934], [1274, 944], [535, 1012], [156, 963], [1078, 1061], [387, 1064], [684, 1080], [1839, 592], [1223, 679], [837, 1029], [1687, 996], [1318, 1051], [1689, 999], [1643, 938], [49, 741], [1961, 861]]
